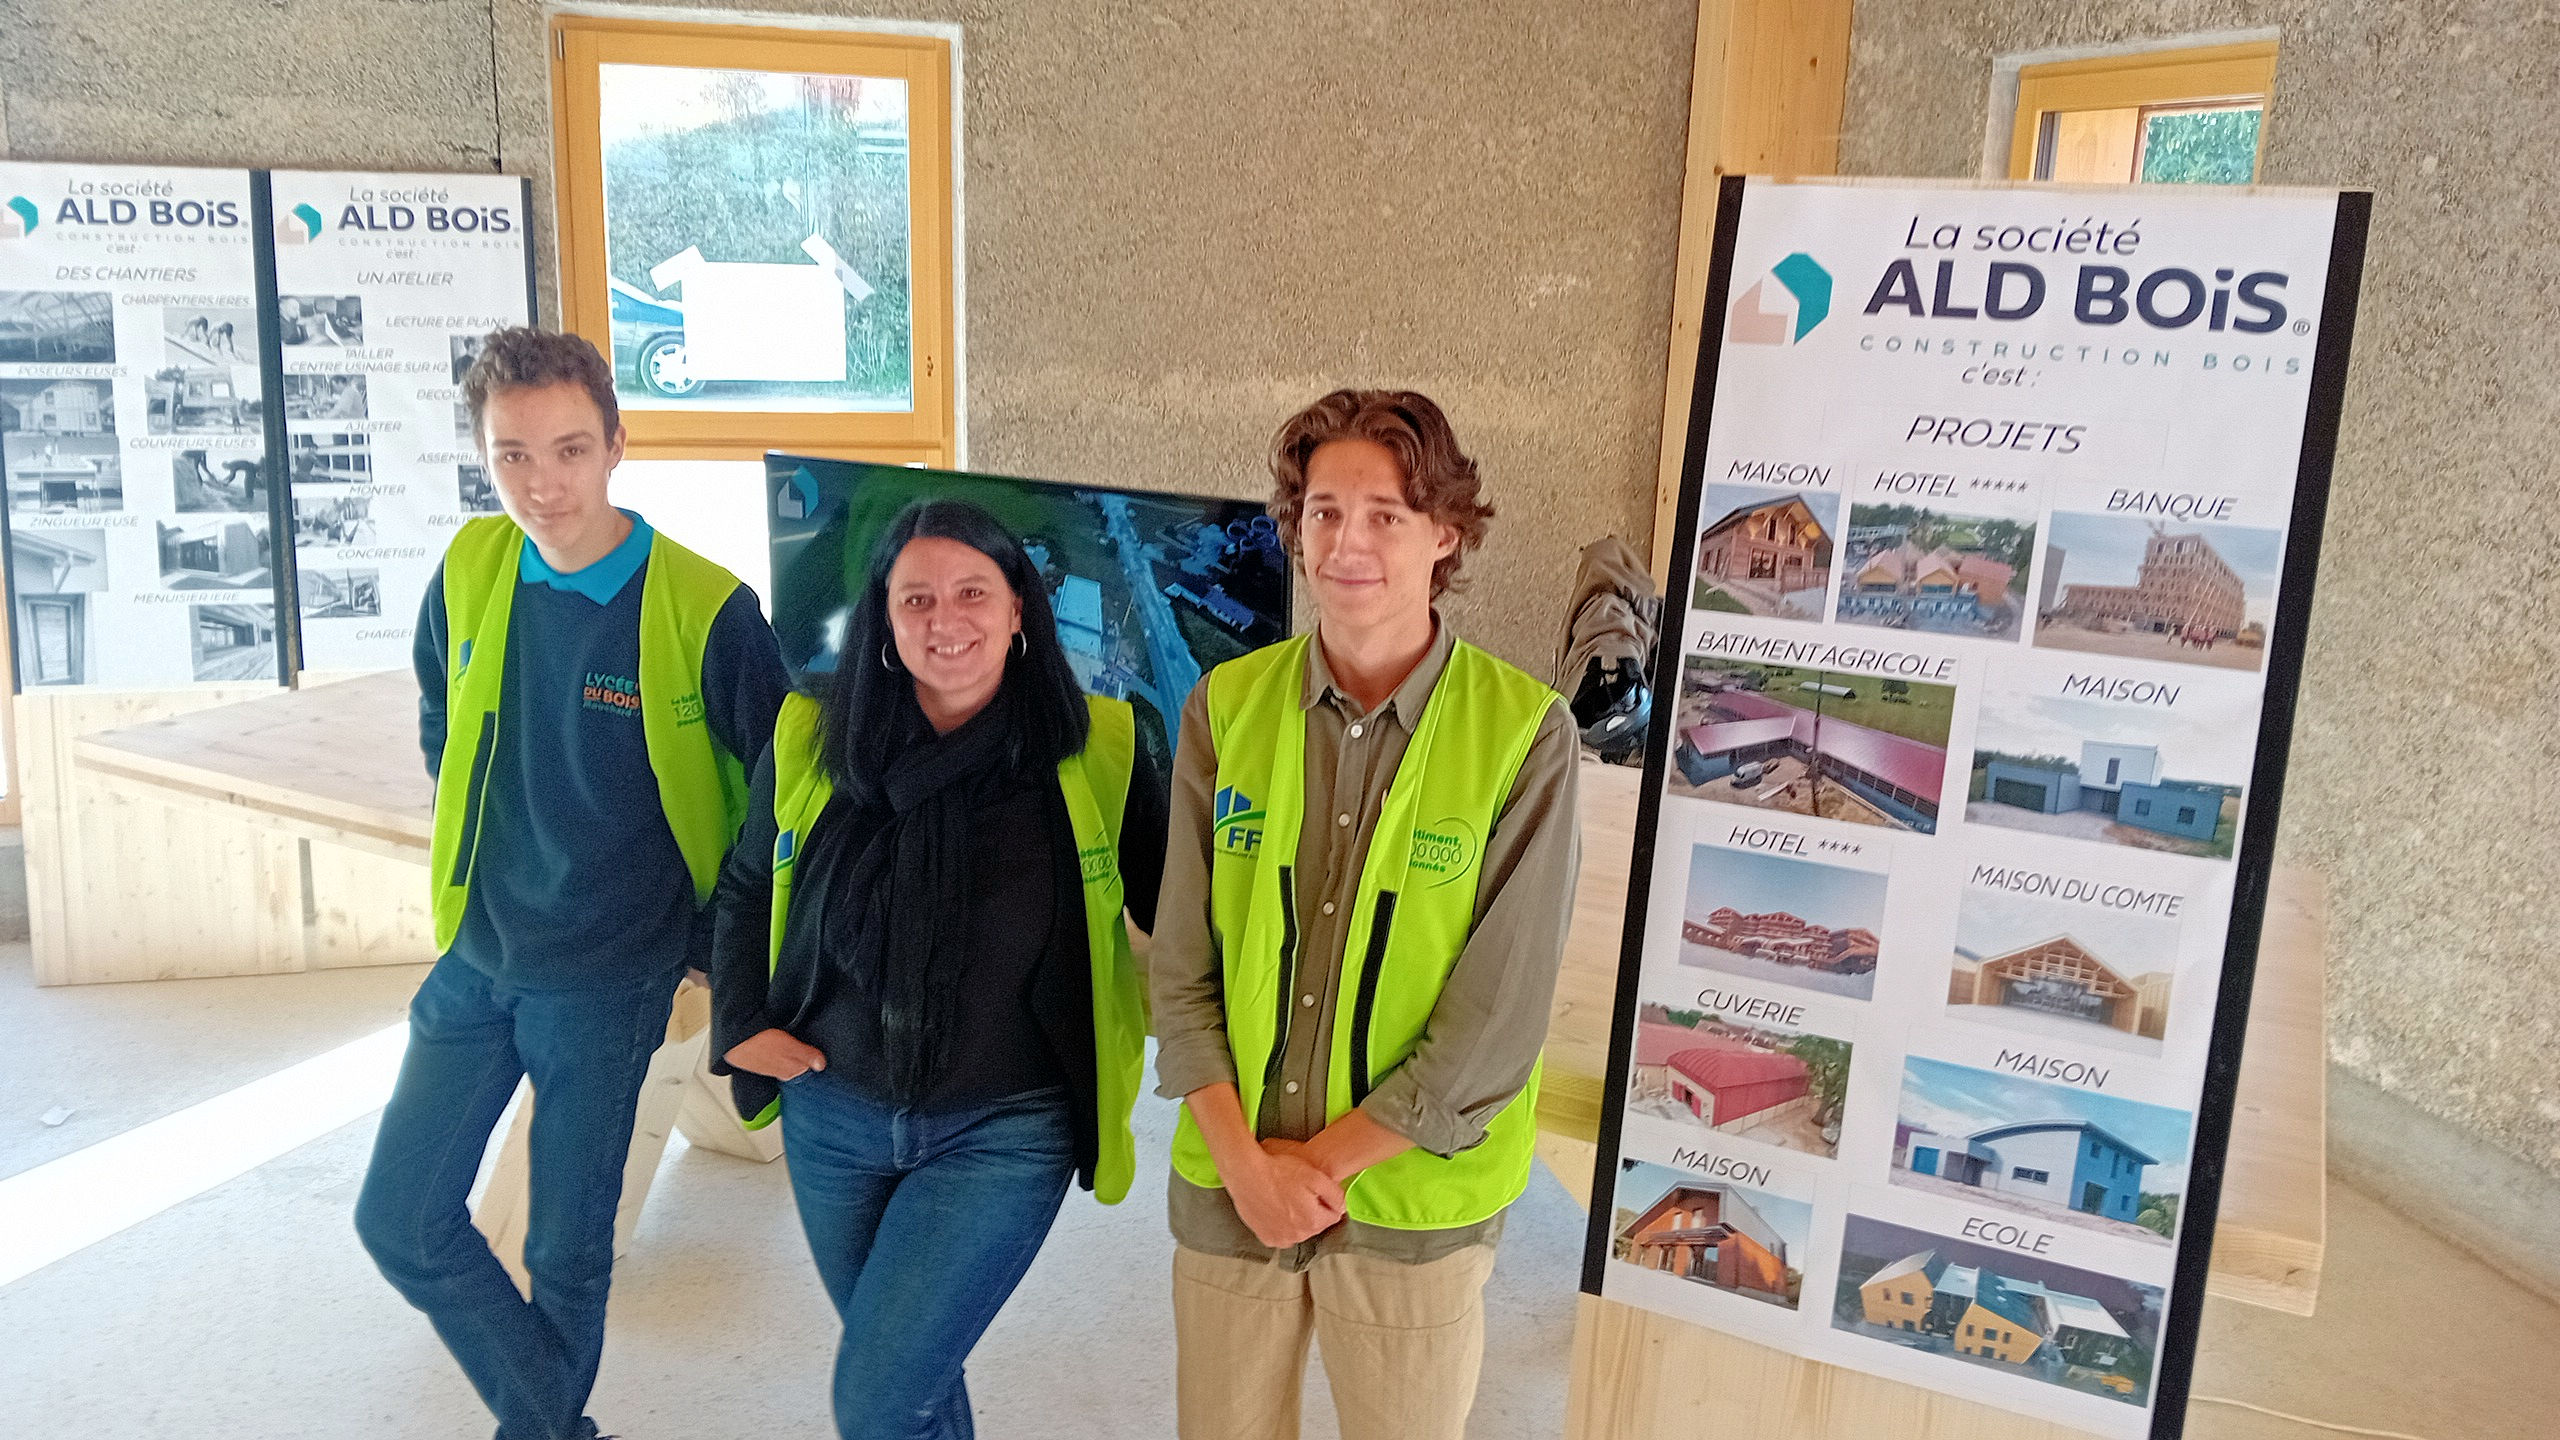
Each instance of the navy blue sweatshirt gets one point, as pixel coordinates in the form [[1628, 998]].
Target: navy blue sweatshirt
[[577, 882]]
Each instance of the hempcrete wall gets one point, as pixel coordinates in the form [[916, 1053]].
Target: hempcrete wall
[[1183, 220], [2426, 777]]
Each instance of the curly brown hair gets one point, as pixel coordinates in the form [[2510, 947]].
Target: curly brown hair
[[523, 358], [1439, 479]]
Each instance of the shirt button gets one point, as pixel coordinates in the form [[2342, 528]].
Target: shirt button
[[1291, 1087], [1307, 1000], [1341, 822], [1355, 731], [1328, 907]]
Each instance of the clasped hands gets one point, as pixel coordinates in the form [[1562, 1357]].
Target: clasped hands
[[1284, 1194]]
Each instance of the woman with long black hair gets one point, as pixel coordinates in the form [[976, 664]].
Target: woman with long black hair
[[920, 958]]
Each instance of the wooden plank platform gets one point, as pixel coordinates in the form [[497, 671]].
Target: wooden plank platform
[[337, 767], [334, 762]]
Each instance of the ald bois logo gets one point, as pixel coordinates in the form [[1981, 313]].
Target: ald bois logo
[[798, 497], [19, 219], [1238, 822], [1784, 312], [301, 227]]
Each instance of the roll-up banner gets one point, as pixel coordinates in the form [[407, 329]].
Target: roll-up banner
[[385, 285], [231, 423], [141, 539], [1995, 557]]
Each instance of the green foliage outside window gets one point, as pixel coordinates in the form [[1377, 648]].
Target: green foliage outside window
[[2201, 147], [750, 180]]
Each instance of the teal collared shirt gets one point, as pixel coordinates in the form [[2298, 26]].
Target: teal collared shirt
[[599, 582]]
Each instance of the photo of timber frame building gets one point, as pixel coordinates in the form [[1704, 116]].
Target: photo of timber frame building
[[1711, 1232], [1768, 552], [2037, 1319], [2184, 585], [2079, 973], [2121, 585], [2060, 976]]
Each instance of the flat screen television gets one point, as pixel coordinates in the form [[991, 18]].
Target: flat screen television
[[1151, 589]]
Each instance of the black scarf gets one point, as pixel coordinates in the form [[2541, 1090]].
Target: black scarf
[[903, 939]]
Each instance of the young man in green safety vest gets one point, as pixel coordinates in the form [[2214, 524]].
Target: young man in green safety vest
[[1366, 890], [588, 693]]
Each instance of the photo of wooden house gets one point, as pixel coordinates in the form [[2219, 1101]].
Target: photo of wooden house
[[1711, 1232], [1767, 551], [57, 407]]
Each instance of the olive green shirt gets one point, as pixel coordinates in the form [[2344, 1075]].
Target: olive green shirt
[[1491, 1020]]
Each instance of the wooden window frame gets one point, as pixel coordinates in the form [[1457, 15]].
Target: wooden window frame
[[928, 434], [2197, 77]]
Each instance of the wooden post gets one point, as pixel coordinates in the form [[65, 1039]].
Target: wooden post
[[1765, 98]]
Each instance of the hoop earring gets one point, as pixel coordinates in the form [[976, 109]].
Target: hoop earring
[[885, 662], [1021, 646]]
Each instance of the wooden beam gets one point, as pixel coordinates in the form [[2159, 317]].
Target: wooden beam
[[1765, 98]]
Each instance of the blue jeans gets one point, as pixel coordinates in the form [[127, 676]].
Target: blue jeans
[[921, 1223], [470, 1039]]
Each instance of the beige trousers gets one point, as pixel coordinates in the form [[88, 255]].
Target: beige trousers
[[1402, 1344]]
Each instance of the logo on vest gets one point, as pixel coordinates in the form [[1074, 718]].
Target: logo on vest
[[1237, 821], [1443, 851], [786, 848], [1099, 865], [689, 709], [612, 694]]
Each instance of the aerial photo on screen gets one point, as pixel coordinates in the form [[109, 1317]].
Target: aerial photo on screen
[[1151, 590]]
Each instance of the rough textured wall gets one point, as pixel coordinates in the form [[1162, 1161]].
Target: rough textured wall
[[1182, 221], [2426, 775]]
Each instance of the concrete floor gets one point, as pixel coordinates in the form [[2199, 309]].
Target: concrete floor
[[250, 1311]]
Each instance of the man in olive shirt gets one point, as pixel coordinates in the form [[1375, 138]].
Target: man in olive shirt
[[1365, 899]]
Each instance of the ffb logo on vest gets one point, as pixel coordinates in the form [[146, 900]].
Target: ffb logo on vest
[[1237, 821]]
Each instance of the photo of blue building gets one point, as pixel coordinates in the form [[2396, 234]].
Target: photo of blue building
[[2119, 780], [2122, 759], [2055, 1152], [2072, 1163]]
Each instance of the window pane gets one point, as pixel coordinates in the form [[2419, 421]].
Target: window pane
[[756, 239], [2092, 146], [2201, 147]]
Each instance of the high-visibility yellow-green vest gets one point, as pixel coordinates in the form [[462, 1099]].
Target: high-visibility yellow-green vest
[[1095, 783], [701, 786], [1409, 921]]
